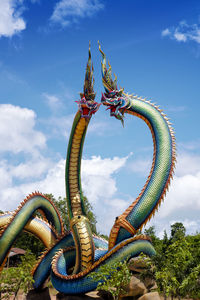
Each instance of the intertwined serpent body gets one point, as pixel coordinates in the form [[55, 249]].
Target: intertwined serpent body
[[79, 248]]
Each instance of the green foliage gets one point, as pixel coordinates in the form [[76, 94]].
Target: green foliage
[[191, 284], [28, 241], [15, 278], [152, 234], [177, 231], [177, 260], [113, 278], [176, 265]]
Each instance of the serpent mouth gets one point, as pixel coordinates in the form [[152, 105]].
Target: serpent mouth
[[87, 107], [85, 112], [114, 112], [112, 109]]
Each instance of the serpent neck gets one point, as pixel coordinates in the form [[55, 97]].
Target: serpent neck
[[73, 166], [141, 210], [79, 223]]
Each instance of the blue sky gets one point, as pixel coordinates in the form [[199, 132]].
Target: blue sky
[[154, 49]]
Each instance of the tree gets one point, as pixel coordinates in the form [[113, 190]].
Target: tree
[[177, 231], [151, 232], [178, 258], [176, 265], [15, 278], [190, 285], [28, 241]]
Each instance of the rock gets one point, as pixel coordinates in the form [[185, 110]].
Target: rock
[[38, 294], [154, 287], [137, 265], [149, 282], [150, 296], [135, 287]]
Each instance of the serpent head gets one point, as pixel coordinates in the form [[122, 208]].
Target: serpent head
[[116, 100], [87, 105]]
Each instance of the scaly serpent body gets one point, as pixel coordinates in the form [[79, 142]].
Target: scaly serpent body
[[78, 249], [35, 226], [79, 223], [12, 224], [141, 210]]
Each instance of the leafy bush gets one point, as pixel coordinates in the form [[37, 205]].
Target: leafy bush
[[15, 278], [113, 278]]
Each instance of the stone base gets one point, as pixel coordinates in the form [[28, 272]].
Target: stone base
[[150, 296]]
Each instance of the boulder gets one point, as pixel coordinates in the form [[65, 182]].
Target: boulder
[[137, 265], [154, 287], [149, 283], [150, 296], [135, 288]]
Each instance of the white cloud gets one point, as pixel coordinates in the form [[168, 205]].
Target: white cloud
[[191, 226], [6, 179], [183, 32], [182, 203], [140, 166], [98, 127], [59, 126], [187, 164], [180, 108], [17, 132], [97, 176], [31, 169], [11, 21], [190, 145], [183, 197], [180, 37], [52, 101], [69, 11], [98, 181], [165, 32]]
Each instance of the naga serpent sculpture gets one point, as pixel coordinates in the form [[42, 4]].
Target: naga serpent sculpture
[[79, 250]]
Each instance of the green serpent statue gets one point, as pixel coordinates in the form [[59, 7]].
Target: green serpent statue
[[71, 257]]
